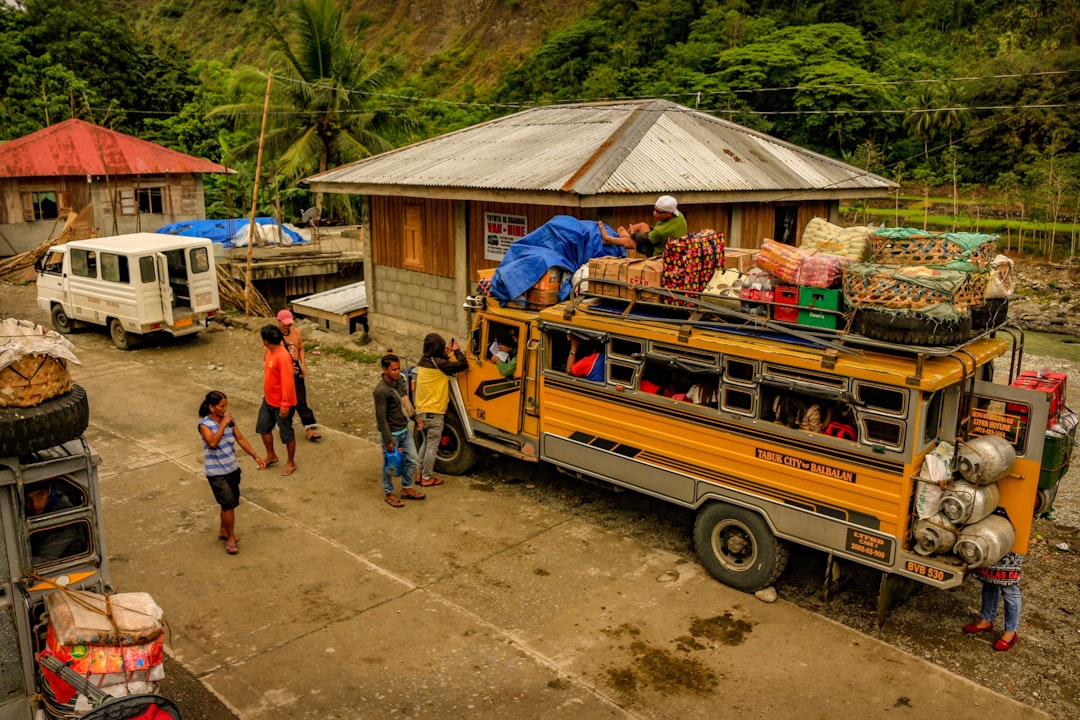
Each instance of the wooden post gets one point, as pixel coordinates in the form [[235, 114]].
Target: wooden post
[[255, 193]]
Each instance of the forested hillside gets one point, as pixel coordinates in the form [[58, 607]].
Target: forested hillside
[[964, 96]]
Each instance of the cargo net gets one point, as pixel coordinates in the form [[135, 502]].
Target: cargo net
[[913, 287], [907, 246]]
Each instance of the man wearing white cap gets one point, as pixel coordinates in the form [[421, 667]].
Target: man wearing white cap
[[669, 223]]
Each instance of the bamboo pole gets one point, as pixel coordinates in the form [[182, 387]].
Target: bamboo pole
[[255, 194]]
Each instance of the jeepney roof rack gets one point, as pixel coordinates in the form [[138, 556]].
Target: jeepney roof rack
[[692, 310]]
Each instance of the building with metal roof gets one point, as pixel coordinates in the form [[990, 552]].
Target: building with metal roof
[[433, 207], [115, 183]]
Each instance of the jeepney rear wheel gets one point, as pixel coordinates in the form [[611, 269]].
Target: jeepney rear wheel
[[60, 321], [122, 338], [737, 547]]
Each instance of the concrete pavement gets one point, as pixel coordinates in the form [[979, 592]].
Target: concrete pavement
[[469, 604]]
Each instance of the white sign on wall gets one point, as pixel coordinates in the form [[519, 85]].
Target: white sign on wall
[[501, 230]]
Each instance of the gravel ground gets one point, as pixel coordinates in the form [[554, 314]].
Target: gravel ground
[[1040, 671]]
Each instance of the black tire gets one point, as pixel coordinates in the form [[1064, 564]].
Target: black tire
[[456, 455], [60, 321], [55, 421], [737, 547], [122, 338], [993, 312], [912, 329]]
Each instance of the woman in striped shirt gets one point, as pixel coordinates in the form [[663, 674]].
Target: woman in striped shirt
[[220, 437]]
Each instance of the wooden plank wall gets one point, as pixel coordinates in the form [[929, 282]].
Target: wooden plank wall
[[536, 216], [387, 237], [758, 223], [810, 210]]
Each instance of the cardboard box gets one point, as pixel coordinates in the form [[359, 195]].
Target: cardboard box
[[812, 300], [628, 272], [741, 259], [786, 295]]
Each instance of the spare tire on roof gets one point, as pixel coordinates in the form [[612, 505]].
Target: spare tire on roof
[[40, 406]]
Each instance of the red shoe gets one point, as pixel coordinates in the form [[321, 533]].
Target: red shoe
[[975, 627], [1001, 644]]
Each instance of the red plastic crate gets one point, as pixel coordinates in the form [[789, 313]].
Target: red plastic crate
[[786, 295], [1053, 384]]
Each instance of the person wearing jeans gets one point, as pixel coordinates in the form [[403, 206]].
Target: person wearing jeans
[[1000, 580], [394, 430], [440, 361]]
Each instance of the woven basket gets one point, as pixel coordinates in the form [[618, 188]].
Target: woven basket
[[33, 380], [905, 288], [903, 246]]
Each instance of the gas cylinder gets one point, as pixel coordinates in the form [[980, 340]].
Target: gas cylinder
[[934, 535], [964, 503], [983, 543], [984, 460]]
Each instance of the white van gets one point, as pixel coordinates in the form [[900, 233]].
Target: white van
[[134, 284]]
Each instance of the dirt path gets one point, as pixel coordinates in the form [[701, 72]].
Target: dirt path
[[1041, 671]]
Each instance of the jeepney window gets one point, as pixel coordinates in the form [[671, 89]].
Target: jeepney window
[[737, 400], [114, 268], [933, 417], [882, 399], [50, 543], [881, 431], [741, 371], [621, 373], [662, 378], [147, 270], [200, 260], [627, 348], [804, 376], [697, 356]]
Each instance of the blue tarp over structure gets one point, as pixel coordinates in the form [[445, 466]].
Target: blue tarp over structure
[[223, 231], [563, 241]]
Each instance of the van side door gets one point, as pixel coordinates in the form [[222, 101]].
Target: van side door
[[52, 281], [164, 288]]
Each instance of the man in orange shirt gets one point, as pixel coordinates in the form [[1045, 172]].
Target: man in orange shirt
[[279, 398]]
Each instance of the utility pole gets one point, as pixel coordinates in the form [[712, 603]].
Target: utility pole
[[255, 193]]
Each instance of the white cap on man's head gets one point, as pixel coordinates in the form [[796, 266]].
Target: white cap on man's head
[[666, 203]]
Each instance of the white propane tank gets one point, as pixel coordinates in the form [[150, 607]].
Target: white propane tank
[[984, 543], [934, 535], [984, 460], [963, 502]]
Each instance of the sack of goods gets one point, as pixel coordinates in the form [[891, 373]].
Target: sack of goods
[[822, 236], [114, 642], [691, 261]]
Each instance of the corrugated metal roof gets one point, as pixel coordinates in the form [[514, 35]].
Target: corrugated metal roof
[[339, 301], [634, 147], [78, 148]]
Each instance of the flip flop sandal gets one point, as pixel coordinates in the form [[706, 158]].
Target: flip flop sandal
[[411, 494], [393, 501], [231, 548], [431, 482], [270, 464], [314, 436]]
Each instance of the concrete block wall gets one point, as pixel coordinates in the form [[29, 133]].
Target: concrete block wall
[[411, 304]]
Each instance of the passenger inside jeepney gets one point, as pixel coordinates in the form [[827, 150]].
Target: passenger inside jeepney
[[503, 351], [49, 544]]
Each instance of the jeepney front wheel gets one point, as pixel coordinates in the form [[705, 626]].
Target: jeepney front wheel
[[456, 455], [737, 547], [122, 338]]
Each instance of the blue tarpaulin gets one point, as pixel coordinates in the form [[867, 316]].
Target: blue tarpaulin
[[224, 231], [563, 241]]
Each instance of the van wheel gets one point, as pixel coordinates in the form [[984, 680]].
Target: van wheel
[[122, 338], [737, 547], [456, 455], [60, 321], [53, 422]]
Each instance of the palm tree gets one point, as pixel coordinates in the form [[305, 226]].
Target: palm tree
[[321, 112]]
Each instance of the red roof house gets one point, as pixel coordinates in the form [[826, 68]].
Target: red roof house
[[115, 183]]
